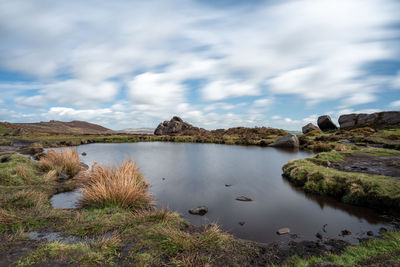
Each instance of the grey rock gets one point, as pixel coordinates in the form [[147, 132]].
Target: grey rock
[[319, 236], [83, 154], [201, 210], [308, 128], [378, 119], [243, 198], [287, 141], [390, 117], [348, 120], [326, 124]]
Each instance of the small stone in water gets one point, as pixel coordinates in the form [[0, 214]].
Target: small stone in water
[[283, 231], [199, 210], [243, 198], [241, 223], [84, 154], [370, 233], [228, 185], [345, 232]]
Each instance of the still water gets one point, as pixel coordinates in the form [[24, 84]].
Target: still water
[[185, 176]]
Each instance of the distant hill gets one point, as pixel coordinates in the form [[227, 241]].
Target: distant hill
[[137, 131], [60, 127]]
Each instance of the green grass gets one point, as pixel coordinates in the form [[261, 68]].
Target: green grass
[[16, 169], [102, 252], [388, 246]]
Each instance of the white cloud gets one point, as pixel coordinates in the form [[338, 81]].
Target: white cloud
[[262, 103], [358, 98], [155, 89], [395, 104], [31, 101], [83, 54], [222, 89]]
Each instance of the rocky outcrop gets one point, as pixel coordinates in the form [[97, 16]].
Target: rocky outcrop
[[379, 119], [174, 126], [287, 141], [309, 127], [326, 124]]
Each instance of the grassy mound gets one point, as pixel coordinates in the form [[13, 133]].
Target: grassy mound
[[375, 191]]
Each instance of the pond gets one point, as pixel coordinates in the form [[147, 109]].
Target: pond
[[185, 176]]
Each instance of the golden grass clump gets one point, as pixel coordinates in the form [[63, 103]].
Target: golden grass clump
[[67, 161], [122, 186]]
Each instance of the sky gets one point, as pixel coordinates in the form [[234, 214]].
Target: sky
[[216, 64]]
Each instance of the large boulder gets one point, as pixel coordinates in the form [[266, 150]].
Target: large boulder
[[287, 141], [174, 126], [379, 119], [309, 127], [326, 124], [348, 120]]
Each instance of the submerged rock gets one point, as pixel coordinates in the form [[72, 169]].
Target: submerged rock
[[201, 210], [83, 154], [283, 231], [228, 185], [308, 128], [241, 223], [243, 198], [326, 124], [287, 141]]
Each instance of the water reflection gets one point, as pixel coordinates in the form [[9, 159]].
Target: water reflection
[[184, 176]]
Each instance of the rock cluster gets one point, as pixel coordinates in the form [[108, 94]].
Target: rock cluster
[[174, 126], [374, 119]]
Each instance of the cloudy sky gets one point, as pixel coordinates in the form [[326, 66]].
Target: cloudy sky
[[215, 63]]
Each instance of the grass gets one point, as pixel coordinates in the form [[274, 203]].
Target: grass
[[388, 246], [123, 186], [17, 170], [356, 188], [67, 161], [102, 252]]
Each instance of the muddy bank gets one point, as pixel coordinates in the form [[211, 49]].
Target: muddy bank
[[387, 166]]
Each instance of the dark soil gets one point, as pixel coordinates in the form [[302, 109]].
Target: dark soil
[[388, 166]]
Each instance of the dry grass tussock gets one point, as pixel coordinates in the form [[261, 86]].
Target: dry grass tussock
[[6, 218], [65, 162], [122, 186]]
